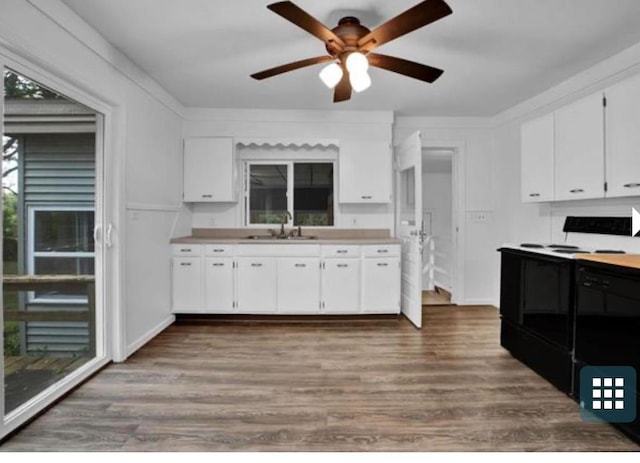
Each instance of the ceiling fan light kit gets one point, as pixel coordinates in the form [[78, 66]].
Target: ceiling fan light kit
[[360, 81], [349, 46], [331, 75]]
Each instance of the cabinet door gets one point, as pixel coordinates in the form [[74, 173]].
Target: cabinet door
[[341, 286], [623, 138], [381, 285], [537, 153], [256, 283], [579, 157], [365, 172], [218, 285], [298, 285], [209, 170], [187, 285]]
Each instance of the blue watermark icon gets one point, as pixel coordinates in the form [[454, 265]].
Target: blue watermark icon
[[608, 394]]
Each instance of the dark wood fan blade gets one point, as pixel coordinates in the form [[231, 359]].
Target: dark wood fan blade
[[414, 18], [291, 67], [405, 67], [304, 20], [343, 89]]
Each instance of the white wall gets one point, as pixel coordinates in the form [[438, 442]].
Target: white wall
[[437, 204], [291, 125], [145, 141]]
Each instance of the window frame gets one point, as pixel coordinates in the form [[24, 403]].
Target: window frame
[[32, 254], [290, 190]]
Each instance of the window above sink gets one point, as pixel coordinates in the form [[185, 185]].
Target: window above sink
[[305, 188]]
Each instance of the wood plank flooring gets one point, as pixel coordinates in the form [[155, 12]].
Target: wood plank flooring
[[349, 385], [436, 298]]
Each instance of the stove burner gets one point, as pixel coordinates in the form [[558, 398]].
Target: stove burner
[[531, 245], [562, 246], [571, 251], [609, 251]]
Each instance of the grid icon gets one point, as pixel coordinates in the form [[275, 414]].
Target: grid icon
[[608, 394]]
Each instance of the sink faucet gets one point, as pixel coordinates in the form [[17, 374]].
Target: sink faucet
[[284, 219]]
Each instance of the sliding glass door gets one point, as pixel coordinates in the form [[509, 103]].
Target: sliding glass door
[[51, 264]]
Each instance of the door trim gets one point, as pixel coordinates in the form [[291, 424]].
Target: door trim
[[110, 151], [458, 149]]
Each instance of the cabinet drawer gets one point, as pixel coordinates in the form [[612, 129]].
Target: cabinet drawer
[[186, 250], [341, 251], [387, 250], [218, 250], [278, 250]]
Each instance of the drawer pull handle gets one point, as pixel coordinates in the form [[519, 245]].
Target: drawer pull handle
[[342, 251], [632, 185], [256, 265], [185, 250], [301, 265], [366, 197], [218, 250], [207, 196], [383, 265], [576, 190], [218, 265], [383, 251], [186, 264], [534, 195], [343, 265]]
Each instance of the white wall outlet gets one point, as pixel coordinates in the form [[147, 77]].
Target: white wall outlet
[[354, 221], [212, 221], [479, 217]]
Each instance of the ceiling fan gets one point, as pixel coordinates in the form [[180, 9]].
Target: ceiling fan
[[350, 44]]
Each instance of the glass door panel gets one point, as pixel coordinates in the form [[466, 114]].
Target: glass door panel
[[48, 265]]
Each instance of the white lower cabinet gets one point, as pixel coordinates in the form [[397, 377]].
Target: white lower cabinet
[[381, 285], [188, 295], [341, 285], [219, 285], [298, 285], [257, 285], [286, 279]]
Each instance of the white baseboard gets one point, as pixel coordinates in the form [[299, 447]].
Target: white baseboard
[[149, 335]]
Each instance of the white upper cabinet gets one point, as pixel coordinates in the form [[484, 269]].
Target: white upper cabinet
[[365, 172], [623, 138], [538, 146], [209, 170], [579, 149]]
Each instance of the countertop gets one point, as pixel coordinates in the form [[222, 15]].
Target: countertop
[[621, 260], [337, 241]]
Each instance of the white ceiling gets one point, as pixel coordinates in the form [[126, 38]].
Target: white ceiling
[[495, 53]]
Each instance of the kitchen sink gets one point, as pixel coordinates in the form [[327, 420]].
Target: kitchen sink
[[285, 238]]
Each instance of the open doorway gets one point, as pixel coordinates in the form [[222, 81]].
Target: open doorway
[[438, 226]]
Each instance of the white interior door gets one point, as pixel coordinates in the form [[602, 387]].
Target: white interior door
[[409, 224]]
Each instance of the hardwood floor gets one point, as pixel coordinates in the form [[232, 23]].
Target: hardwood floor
[[436, 298], [349, 385]]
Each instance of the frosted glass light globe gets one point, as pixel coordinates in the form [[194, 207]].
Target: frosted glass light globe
[[360, 81], [357, 63], [331, 75]]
